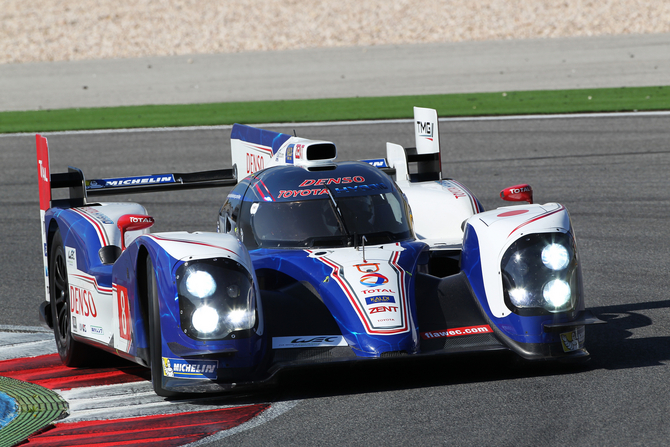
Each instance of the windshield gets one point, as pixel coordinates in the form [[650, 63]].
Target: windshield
[[381, 218]]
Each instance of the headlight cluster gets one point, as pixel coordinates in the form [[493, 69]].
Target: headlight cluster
[[540, 274], [216, 298]]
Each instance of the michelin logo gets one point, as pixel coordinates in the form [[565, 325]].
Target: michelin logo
[[192, 369], [131, 181]]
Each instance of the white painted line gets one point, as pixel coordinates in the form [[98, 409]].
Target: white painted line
[[346, 123], [30, 349], [12, 328]]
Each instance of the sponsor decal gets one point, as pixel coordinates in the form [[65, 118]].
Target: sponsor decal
[[289, 154], [379, 299], [425, 129], [71, 257], [332, 181], [520, 190], [254, 163], [368, 268], [310, 341], [42, 171], [369, 291], [74, 323], [81, 302], [286, 194], [130, 181], [573, 341], [190, 369], [100, 217], [376, 310], [361, 188], [374, 279], [124, 311], [377, 162], [83, 327], [298, 151], [457, 332], [457, 192], [97, 330]]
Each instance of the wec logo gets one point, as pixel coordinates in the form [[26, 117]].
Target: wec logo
[[316, 340]]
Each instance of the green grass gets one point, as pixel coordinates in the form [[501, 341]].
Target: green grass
[[467, 104]]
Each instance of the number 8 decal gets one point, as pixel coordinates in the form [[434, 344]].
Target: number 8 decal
[[124, 312]]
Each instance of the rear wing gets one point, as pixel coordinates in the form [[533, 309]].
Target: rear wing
[[415, 164], [80, 189]]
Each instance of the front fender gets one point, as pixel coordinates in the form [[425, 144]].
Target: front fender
[[167, 252], [487, 238]]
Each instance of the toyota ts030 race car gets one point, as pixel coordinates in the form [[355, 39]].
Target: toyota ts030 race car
[[313, 261]]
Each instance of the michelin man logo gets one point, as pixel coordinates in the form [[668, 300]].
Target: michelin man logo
[[167, 369]]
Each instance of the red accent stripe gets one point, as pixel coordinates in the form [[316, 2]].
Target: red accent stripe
[[94, 281], [266, 189], [260, 148], [542, 216], [161, 430], [49, 372], [102, 235], [192, 242], [473, 201]]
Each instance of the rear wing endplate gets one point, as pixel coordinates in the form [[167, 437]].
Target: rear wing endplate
[[415, 164]]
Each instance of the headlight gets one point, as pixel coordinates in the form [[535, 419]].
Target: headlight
[[205, 319], [216, 298], [556, 293], [540, 274], [555, 256], [200, 284]]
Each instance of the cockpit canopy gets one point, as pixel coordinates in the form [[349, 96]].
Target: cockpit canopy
[[290, 207]]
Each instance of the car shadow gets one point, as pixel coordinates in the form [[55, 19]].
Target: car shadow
[[610, 345]]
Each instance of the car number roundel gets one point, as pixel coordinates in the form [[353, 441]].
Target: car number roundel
[[373, 280]]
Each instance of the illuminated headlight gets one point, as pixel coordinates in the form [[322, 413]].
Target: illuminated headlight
[[200, 284], [556, 293], [217, 299], [519, 297], [540, 274], [205, 319], [555, 256]]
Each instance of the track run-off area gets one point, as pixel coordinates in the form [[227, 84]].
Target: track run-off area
[[610, 171]]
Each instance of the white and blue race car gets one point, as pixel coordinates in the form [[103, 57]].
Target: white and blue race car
[[313, 261]]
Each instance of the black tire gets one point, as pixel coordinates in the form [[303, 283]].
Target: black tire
[[72, 352], [155, 353]]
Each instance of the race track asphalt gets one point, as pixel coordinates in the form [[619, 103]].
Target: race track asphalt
[[488, 66]]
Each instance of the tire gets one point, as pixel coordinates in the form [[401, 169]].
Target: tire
[[71, 352], [155, 338]]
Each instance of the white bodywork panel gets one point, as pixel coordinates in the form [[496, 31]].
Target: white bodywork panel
[[250, 157]]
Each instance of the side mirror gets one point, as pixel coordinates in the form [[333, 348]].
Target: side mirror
[[518, 193], [132, 222]]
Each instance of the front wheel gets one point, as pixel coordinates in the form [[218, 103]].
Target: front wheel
[[72, 352], [155, 338]]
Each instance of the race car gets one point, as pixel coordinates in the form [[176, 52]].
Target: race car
[[312, 261]]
